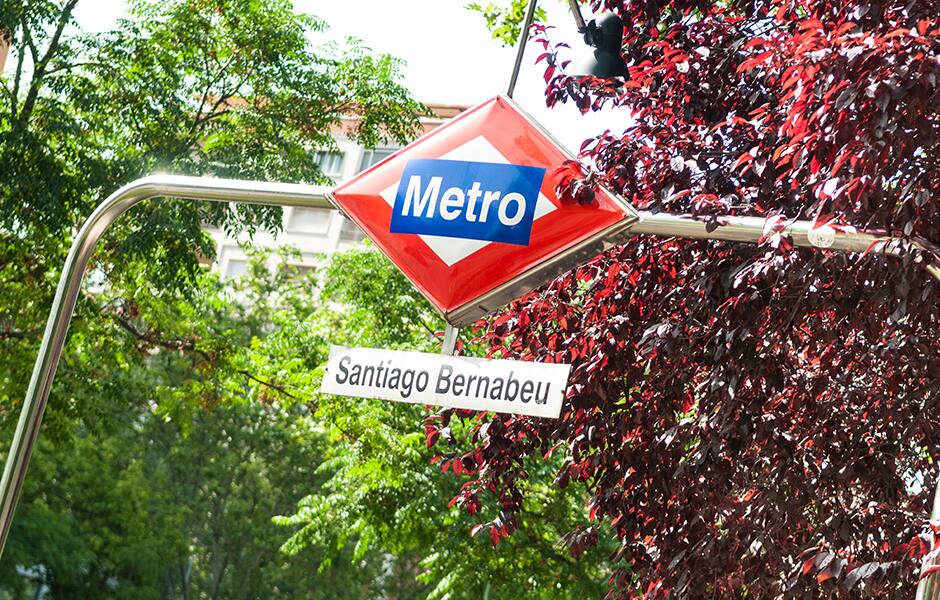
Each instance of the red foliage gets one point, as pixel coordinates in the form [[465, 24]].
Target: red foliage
[[754, 421]]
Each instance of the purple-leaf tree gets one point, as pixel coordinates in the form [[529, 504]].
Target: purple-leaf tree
[[750, 420]]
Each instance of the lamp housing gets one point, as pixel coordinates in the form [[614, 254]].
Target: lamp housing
[[605, 35]]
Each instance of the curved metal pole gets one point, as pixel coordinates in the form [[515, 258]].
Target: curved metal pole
[[70, 281]]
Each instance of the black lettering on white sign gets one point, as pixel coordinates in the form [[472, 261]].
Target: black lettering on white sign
[[479, 384]]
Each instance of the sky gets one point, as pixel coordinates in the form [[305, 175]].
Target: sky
[[449, 54]]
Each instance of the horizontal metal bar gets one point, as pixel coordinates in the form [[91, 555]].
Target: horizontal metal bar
[[265, 193], [751, 229]]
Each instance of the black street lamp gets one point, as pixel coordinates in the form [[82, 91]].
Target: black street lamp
[[604, 34]]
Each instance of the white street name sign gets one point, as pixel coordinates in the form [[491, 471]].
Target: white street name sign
[[504, 386]]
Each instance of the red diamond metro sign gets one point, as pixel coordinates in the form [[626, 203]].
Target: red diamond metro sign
[[469, 212]]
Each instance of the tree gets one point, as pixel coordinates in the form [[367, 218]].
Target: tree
[[383, 490], [183, 417], [173, 496], [224, 88], [750, 421], [229, 88], [176, 496]]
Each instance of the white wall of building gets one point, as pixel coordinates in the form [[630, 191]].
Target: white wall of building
[[317, 231], [313, 231]]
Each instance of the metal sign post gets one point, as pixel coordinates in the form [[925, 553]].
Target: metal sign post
[[449, 343]]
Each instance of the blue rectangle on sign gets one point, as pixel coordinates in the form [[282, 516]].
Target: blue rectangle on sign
[[470, 200]]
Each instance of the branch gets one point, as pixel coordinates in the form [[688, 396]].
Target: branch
[[210, 81], [40, 67], [273, 386], [548, 550], [928, 402], [796, 306], [223, 98], [202, 105], [31, 44], [424, 324], [14, 334], [203, 118], [19, 75], [153, 338], [83, 63]]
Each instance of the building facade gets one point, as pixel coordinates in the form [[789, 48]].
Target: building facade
[[317, 231]]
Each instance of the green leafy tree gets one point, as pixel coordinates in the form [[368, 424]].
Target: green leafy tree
[[504, 19], [174, 494], [386, 486], [185, 413], [229, 430], [224, 88], [215, 87]]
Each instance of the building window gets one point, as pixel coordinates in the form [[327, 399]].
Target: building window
[[350, 233], [330, 163], [236, 268], [305, 270], [371, 157], [309, 220]]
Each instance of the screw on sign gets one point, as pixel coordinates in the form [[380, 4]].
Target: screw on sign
[[469, 211]]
